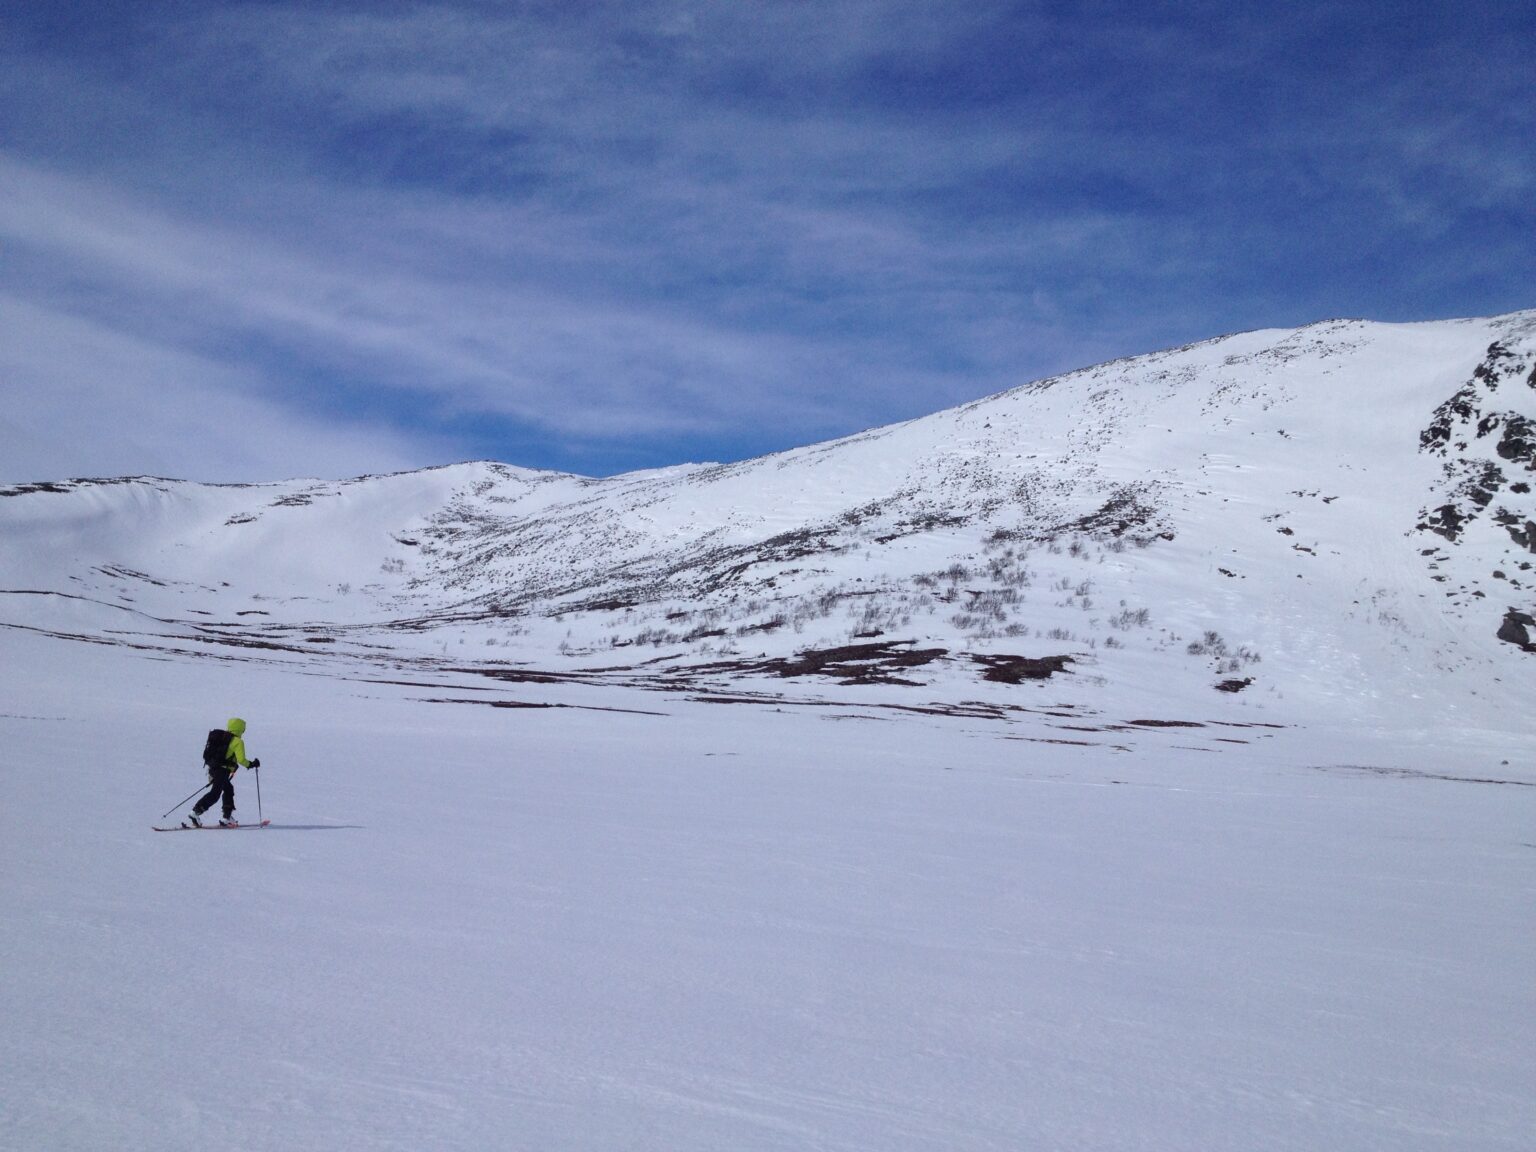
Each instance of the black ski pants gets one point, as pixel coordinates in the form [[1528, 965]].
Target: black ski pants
[[221, 788]]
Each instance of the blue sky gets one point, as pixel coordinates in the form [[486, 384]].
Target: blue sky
[[245, 241]]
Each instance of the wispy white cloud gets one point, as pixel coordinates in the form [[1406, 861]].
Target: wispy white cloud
[[710, 228], [83, 399], [502, 347]]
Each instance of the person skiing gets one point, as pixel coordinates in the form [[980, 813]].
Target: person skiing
[[224, 755]]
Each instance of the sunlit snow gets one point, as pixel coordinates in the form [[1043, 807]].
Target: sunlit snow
[[1136, 760]]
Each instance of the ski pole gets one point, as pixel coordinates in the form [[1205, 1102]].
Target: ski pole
[[195, 791], [257, 770]]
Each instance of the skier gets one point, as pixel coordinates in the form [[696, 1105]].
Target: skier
[[223, 762]]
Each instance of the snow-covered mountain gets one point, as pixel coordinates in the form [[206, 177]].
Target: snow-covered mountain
[[981, 858], [1338, 517]]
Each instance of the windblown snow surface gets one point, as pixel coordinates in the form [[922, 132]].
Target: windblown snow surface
[[1136, 760]]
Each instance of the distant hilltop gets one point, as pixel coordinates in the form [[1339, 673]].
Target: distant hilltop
[[1336, 517]]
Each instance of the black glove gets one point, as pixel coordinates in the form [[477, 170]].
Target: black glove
[[256, 763]]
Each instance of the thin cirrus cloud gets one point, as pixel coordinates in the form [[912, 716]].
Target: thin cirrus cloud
[[491, 347], [601, 236], [206, 420]]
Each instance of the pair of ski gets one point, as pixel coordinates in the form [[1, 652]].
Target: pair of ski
[[184, 826]]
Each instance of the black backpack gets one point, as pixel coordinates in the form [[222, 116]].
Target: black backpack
[[217, 748]]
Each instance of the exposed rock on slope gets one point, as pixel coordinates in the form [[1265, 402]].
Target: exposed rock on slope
[[1486, 436]]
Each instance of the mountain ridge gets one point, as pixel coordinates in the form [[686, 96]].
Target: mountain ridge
[[1336, 512]]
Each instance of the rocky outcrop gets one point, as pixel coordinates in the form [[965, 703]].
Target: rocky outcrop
[[1516, 629], [1487, 445], [1486, 435]]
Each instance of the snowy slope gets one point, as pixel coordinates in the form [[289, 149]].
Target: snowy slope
[[872, 797], [1336, 518], [683, 927]]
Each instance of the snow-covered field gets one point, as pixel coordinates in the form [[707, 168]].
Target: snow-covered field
[[693, 926]]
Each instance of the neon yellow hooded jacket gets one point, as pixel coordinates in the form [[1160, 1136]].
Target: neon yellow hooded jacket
[[235, 757]]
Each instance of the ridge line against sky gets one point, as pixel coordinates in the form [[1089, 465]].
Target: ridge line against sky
[[244, 241]]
